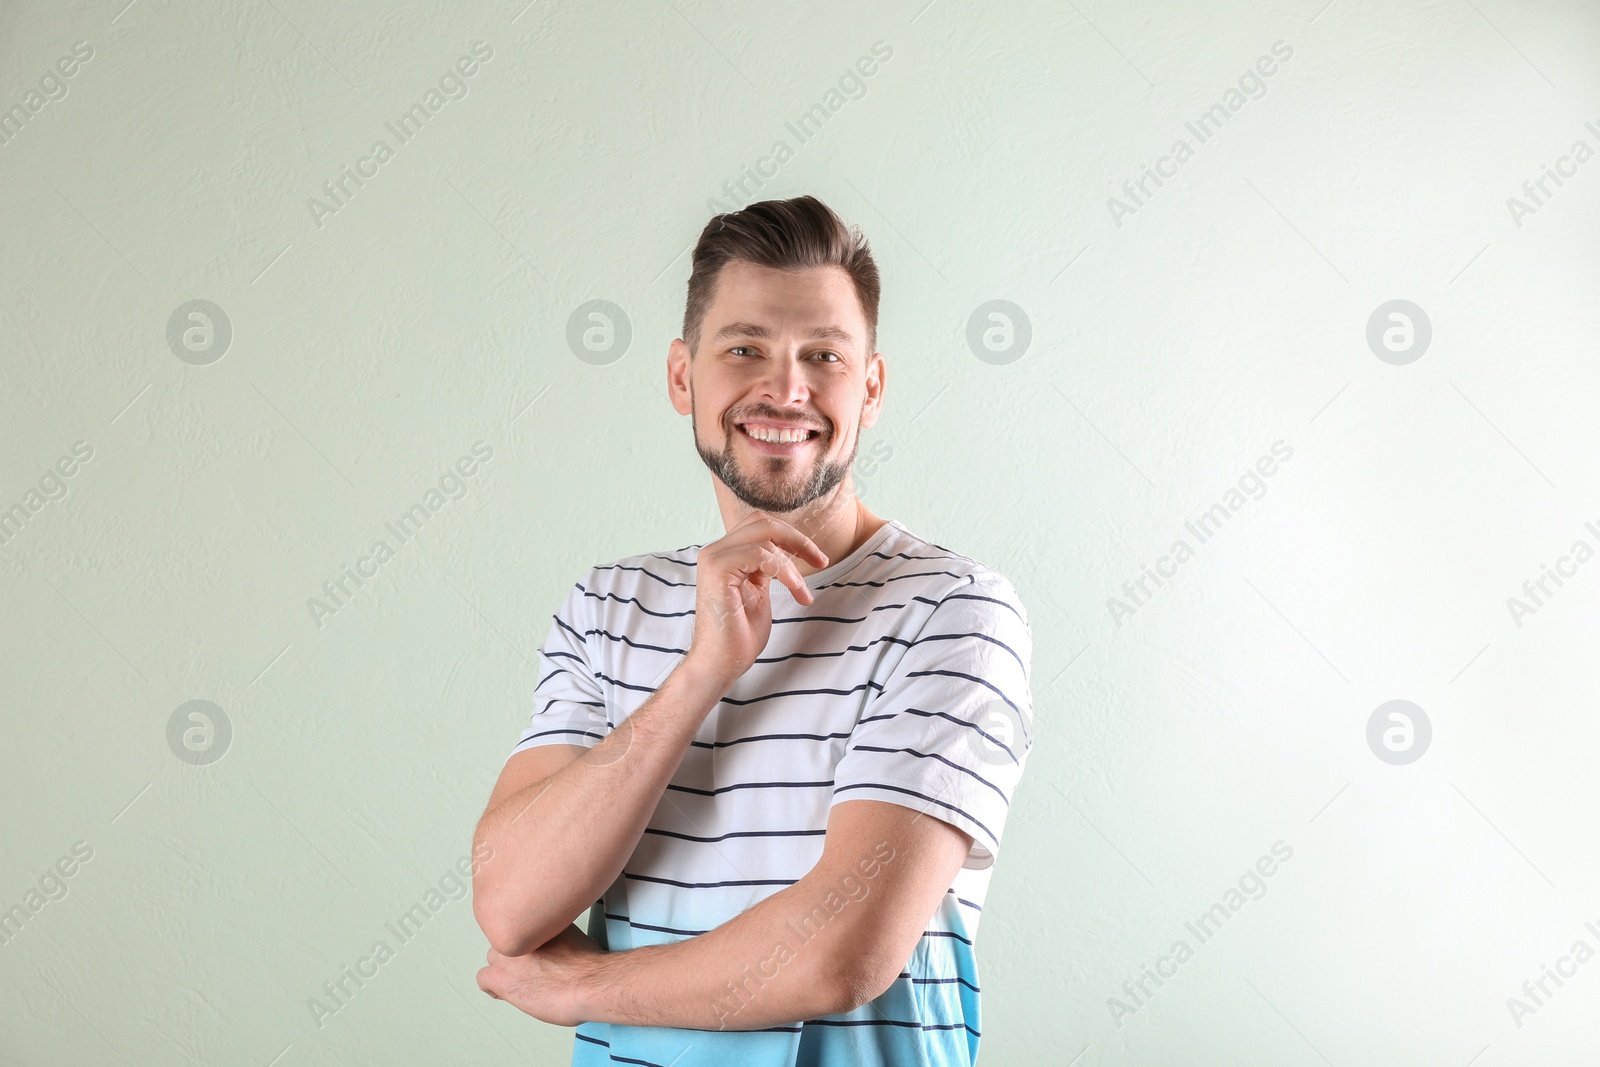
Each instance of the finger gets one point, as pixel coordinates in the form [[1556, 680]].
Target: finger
[[788, 537], [783, 569], [748, 565], [766, 560]]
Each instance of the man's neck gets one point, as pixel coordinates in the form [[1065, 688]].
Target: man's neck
[[839, 531]]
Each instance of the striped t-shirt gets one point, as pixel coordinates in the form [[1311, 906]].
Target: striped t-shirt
[[906, 681]]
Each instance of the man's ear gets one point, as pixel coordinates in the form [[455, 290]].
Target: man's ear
[[872, 404], [678, 376]]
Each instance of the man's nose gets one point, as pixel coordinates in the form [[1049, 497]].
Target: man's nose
[[784, 381]]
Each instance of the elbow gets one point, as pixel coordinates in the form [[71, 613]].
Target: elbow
[[507, 938], [507, 931], [857, 981]]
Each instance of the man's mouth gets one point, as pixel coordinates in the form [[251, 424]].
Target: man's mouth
[[778, 440]]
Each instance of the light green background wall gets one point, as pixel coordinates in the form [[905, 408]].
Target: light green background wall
[[1168, 353]]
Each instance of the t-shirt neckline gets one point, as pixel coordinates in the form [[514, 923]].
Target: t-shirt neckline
[[827, 574]]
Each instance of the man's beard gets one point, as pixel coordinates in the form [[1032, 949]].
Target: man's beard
[[770, 491]]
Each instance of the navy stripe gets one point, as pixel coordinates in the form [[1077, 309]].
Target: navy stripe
[[892, 1022], [635, 644], [747, 785], [952, 558], [988, 685], [893, 578], [627, 685], [770, 737], [559, 670], [709, 885], [645, 571], [940, 981], [868, 684], [827, 655], [553, 701], [641, 607], [737, 833], [974, 679], [775, 622], [990, 599], [559, 654], [921, 796], [890, 638], [852, 619], [646, 926], [934, 755], [661, 555], [947, 933], [981, 637], [942, 715]]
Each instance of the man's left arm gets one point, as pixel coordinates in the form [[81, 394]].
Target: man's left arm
[[834, 940]]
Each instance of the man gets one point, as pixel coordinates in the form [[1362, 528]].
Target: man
[[778, 764]]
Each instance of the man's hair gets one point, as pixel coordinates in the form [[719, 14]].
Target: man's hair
[[792, 234]]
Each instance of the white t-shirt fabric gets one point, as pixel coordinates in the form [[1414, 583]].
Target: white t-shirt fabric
[[907, 680]]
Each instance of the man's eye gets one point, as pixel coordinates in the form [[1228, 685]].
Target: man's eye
[[741, 349]]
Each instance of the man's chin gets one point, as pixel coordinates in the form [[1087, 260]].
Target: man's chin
[[777, 506]]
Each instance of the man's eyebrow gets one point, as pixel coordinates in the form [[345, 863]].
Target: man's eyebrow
[[754, 329]]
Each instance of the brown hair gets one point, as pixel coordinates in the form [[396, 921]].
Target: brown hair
[[792, 234]]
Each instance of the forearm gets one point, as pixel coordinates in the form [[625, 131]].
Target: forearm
[[559, 843], [771, 965]]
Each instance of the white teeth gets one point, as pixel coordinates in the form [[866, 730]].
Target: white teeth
[[787, 437]]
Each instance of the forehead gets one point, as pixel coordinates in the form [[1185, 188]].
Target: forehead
[[801, 301]]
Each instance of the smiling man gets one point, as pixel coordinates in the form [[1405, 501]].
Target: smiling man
[[778, 765]]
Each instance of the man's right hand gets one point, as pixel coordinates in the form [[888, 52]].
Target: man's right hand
[[733, 608]]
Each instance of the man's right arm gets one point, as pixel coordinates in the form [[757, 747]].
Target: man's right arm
[[563, 820]]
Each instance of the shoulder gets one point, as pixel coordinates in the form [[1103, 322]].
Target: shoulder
[[967, 581]]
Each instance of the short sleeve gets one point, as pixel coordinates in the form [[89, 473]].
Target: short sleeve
[[951, 729], [568, 704]]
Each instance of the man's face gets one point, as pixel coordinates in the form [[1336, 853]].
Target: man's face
[[779, 350]]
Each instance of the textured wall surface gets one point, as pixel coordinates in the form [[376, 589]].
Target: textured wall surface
[[1325, 271]]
